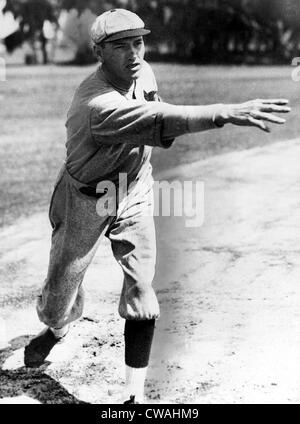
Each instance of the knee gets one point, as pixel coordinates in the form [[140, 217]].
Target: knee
[[54, 315], [50, 317]]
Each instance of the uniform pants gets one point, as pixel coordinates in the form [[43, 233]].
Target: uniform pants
[[77, 231]]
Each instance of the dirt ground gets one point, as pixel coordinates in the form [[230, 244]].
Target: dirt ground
[[229, 294]]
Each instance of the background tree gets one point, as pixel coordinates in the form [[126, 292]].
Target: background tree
[[78, 22], [31, 15], [206, 31]]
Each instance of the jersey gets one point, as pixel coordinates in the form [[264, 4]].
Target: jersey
[[112, 131]]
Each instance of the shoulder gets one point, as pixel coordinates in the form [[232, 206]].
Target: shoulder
[[96, 92], [147, 68], [92, 86]]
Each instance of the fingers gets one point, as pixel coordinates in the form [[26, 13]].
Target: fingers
[[275, 108], [273, 101], [271, 105], [267, 117], [255, 112], [259, 124], [264, 112]]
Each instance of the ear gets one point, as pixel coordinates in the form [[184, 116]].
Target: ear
[[98, 51]]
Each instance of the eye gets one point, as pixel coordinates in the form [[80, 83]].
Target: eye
[[119, 46]]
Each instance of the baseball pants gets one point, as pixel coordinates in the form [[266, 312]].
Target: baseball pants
[[77, 231]]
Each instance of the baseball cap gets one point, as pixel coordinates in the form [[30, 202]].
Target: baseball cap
[[116, 24]]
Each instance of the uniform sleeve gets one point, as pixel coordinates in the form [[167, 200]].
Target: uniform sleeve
[[114, 120]]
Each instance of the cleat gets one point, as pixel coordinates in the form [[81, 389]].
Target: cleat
[[40, 347], [131, 401]]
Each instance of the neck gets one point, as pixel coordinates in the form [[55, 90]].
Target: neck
[[116, 81]]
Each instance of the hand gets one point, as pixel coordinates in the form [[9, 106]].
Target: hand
[[254, 113]]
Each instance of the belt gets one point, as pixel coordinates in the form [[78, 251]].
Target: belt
[[91, 192]]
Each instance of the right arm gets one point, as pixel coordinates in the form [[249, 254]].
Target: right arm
[[115, 119]]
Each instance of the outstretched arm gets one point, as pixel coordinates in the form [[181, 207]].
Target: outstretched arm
[[115, 119], [255, 113]]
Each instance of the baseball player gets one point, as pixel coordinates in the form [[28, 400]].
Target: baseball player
[[114, 121]]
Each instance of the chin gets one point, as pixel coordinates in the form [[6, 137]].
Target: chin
[[136, 74]]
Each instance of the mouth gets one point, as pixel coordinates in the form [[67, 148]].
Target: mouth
[[134, 66]]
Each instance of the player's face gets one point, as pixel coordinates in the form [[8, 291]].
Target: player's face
[[123, 58]]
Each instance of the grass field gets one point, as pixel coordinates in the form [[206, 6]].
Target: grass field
[[35, 100]]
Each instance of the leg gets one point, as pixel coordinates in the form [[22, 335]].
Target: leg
[[76, 232], [138, 340], [134, 247]]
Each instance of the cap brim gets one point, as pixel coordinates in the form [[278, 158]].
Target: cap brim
[[126, 34]]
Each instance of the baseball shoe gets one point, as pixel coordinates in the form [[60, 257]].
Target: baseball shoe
[[131, 401], [40, 346]]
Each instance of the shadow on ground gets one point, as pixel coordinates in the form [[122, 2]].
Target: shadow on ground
[[30, 382]]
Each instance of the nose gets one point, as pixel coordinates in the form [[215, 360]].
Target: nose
[[133, 51]]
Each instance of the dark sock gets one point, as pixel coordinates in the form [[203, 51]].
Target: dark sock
[[138, 341]]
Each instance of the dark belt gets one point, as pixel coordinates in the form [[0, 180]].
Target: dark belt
[[91, 192]]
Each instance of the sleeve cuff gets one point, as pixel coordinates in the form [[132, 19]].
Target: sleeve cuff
[[218, 125]]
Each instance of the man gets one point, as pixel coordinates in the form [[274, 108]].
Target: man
[[114, 121]]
